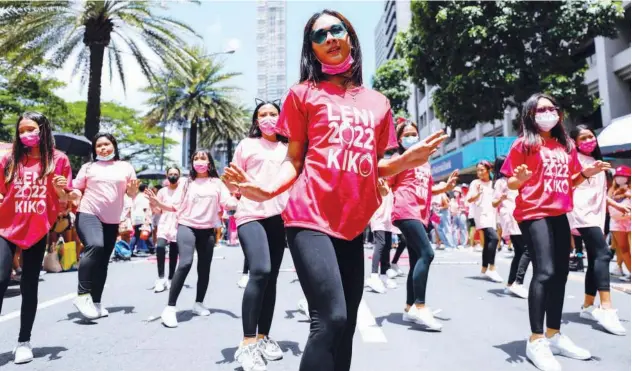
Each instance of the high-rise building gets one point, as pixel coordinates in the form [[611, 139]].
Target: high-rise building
[[396, 18], [271, 46]]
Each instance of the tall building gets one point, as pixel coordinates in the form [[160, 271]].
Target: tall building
[[271, 46]]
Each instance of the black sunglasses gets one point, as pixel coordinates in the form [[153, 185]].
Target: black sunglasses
[[319, 36]]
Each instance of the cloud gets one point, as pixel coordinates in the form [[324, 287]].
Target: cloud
[[233, 44]]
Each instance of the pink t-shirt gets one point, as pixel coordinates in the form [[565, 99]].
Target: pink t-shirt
[[618, 221], [261, 159], [168, 221], [484, 211], [345, 132], [381, 220], [549, 191], [30, 205], [412, 192], [199, 202], [506, 208], [103, 184], [589, 199]]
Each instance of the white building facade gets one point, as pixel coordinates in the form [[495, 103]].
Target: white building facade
[[271, 49]]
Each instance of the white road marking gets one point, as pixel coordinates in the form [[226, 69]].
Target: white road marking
[[369, 330], [46, 304]]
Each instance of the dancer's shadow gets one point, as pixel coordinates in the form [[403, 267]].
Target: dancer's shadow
[[515, 350], [498, 292], [574, 317], [291, 314], [229, 353], [41, 352], [295, 280], [77, 318], [125, 310], [396, 319], [477, 278], [223, 311], [291, 346]]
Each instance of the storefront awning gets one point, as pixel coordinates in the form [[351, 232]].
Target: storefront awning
[[470, 155]]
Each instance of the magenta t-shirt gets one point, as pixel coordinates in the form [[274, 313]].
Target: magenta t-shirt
[[345, 132], [412, 191]]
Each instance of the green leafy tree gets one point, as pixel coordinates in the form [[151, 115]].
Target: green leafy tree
[[487, 55], [196, 94], [90, 31], [391, 80]]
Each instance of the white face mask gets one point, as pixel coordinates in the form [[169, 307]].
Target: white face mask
[[546, 120], [105, 158], [621, 180]]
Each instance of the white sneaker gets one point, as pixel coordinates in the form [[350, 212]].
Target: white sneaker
[[160, 285], [375, 283], [460, 248], [587, 313], [303, 308], [408, 316], [201, 310], [609, 320], [493, 275], [249, 357], [391, 273], [243, 281], [101, 310], [397, 269], [425, 317], [564, 346], [616, 271], [270, 349], [389, 282], [23, 353], [168, 285], [86, 307], [519, 291], [168, 317], [539, 352]]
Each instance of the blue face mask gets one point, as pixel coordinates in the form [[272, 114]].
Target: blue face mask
[[105, 158], [407, 142]]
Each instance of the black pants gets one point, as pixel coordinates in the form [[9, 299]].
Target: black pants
[[598, 272], [263, 243], [331, 273], [489, 247], [520, 261], [579, 245], [31, 266], [161, 248], [400, 249], [381, 251], [189, 239], [98, 239], [420, 256], [245, 270], [549, 243]]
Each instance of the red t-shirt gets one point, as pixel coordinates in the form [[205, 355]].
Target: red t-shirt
[[412, 192], [549, 191], [345, 133], [30, 205]]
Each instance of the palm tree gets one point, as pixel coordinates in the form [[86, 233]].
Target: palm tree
[[31, 30], [196, 94]]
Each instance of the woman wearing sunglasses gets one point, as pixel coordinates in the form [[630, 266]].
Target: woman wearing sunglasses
[[338, 132]]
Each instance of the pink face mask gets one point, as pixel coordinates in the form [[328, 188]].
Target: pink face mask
[[267, 125], [337, 69], [588, 146], [31, 139], [200, 166]]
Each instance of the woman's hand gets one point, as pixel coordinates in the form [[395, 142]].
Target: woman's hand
[[236, 177], [382, 187], [132, 186], [60, 182], [152, 197], [623, 209], [522, 173], [421, 151], [595, 168], [452, 179]]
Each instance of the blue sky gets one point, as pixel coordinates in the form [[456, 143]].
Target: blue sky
[[226, 25]]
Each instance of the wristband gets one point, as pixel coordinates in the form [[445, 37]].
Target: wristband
[[582, 174]]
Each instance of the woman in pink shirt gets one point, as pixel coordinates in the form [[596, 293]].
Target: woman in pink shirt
[[197, 203], [338, 132], [588, 217], [620, 221], [261, 234], [102, 185], [481, 195], [33, 181], [543, 165], [167, 228]]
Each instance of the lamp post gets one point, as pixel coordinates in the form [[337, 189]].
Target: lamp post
[[164, 121]]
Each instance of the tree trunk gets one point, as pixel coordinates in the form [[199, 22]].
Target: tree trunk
[[93, 108], [229, 150], [193, 132]]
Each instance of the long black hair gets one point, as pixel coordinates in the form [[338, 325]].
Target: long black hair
[[574, 134], [498, 164], [212, 171], [19, 151], [530, 131], [311, 69], [254, 131], [109, 137]]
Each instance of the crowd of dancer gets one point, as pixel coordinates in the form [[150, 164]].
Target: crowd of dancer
[[312, 174]]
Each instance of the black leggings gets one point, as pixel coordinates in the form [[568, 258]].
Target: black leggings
[[160, 257], [98, 238], [245, 270], [381, 251], [549, 243], [189, 239], [598, 273], [420, 256], [520, 261], [489, 249], [331, 273], [400, 249], [263, 243], [29, 282]]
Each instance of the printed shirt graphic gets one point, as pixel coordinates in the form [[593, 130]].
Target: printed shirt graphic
[[549, 191], [506, 208], [200, 201], [589, 199], [412, 190], [168, 221], [344, 132], [261, 160], [30, 205], [104, 184]]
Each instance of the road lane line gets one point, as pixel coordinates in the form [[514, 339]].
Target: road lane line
[[369, 330], [46, 304]]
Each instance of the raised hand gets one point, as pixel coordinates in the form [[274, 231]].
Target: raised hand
[[132, 186], [421, 151], [60, 182], [522, 173], [452, 179], [595, 168], [253, 191], [382, 187], [150, 195]]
